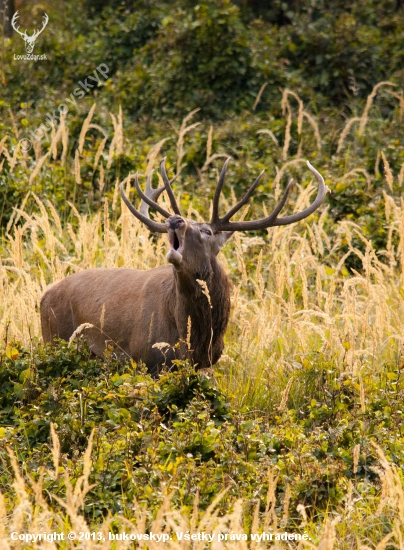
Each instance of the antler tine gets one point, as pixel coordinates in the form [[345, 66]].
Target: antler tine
[[153, 194], [321, 193], [243, 201], [215, 207], [45, 22], [149, 198], [13, 23], [167, 184], [152, 225], [272, 220]]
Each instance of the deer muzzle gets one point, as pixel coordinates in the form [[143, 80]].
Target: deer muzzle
[[176, 226]]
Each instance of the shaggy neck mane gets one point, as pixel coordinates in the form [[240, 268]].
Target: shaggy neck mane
[[208, 324]]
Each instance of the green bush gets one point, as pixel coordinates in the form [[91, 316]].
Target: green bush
[[182, 430]]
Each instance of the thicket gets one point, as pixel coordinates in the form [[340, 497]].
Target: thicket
[[167, 58]]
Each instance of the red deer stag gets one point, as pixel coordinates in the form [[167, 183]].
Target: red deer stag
[[144, 308]]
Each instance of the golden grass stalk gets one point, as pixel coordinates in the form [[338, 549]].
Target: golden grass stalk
[[377, 162], [153, 154], [2, 145], [205, 290], [101, 180], [270, 134], [54, 139], [116, 194], [38, 167], [286, 110], [77, 174], [64, 136], [184, 129], [285, 103], [85, 127], [119, 143], [400, 178], [285, 395], [118, 132], [111, 152], [81, 328], [388, 172], [362, 394], [314, 125], [400, 98], [286, 502], [98, 128], [13, 123], [259, 95], [209, 157], [209, 143], [356, 452], [364, 118], [99, 152], [345, 132], [329, 536], [37, 145], [55, 452], [189, 328]]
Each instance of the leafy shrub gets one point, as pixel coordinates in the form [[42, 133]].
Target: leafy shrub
[[199, 58], [181, 429]]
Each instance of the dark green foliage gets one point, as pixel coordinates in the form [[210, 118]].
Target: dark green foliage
[[181, 431], [167, 58], [345, 52], [200, 58]]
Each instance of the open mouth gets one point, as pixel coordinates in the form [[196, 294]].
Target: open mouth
[[175, 241]]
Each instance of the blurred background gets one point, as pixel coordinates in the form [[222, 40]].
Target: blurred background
[[169, 57]]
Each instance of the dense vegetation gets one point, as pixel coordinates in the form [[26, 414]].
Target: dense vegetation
[[302, 417]]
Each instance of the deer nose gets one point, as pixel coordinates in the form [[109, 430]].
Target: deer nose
[[175, 222]]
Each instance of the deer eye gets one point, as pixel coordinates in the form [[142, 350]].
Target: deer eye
[[207, 232]]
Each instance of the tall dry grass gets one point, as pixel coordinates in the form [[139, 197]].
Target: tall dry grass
[[293, 300]]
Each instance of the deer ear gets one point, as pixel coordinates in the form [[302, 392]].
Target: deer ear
[[221, 238]]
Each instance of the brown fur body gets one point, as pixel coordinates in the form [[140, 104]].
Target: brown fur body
[[142, 308]]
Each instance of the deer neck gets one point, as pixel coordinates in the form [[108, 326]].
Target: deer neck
[[208, 318]]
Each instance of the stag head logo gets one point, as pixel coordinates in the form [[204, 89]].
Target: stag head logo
[[29, 40]]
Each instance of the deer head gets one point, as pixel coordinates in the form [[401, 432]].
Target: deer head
[[29, 40]]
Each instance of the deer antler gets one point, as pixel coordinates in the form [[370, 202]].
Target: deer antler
[[150, 197], [223, 224], [37, 33], [167, 184], [24, 34], [13, 24]]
